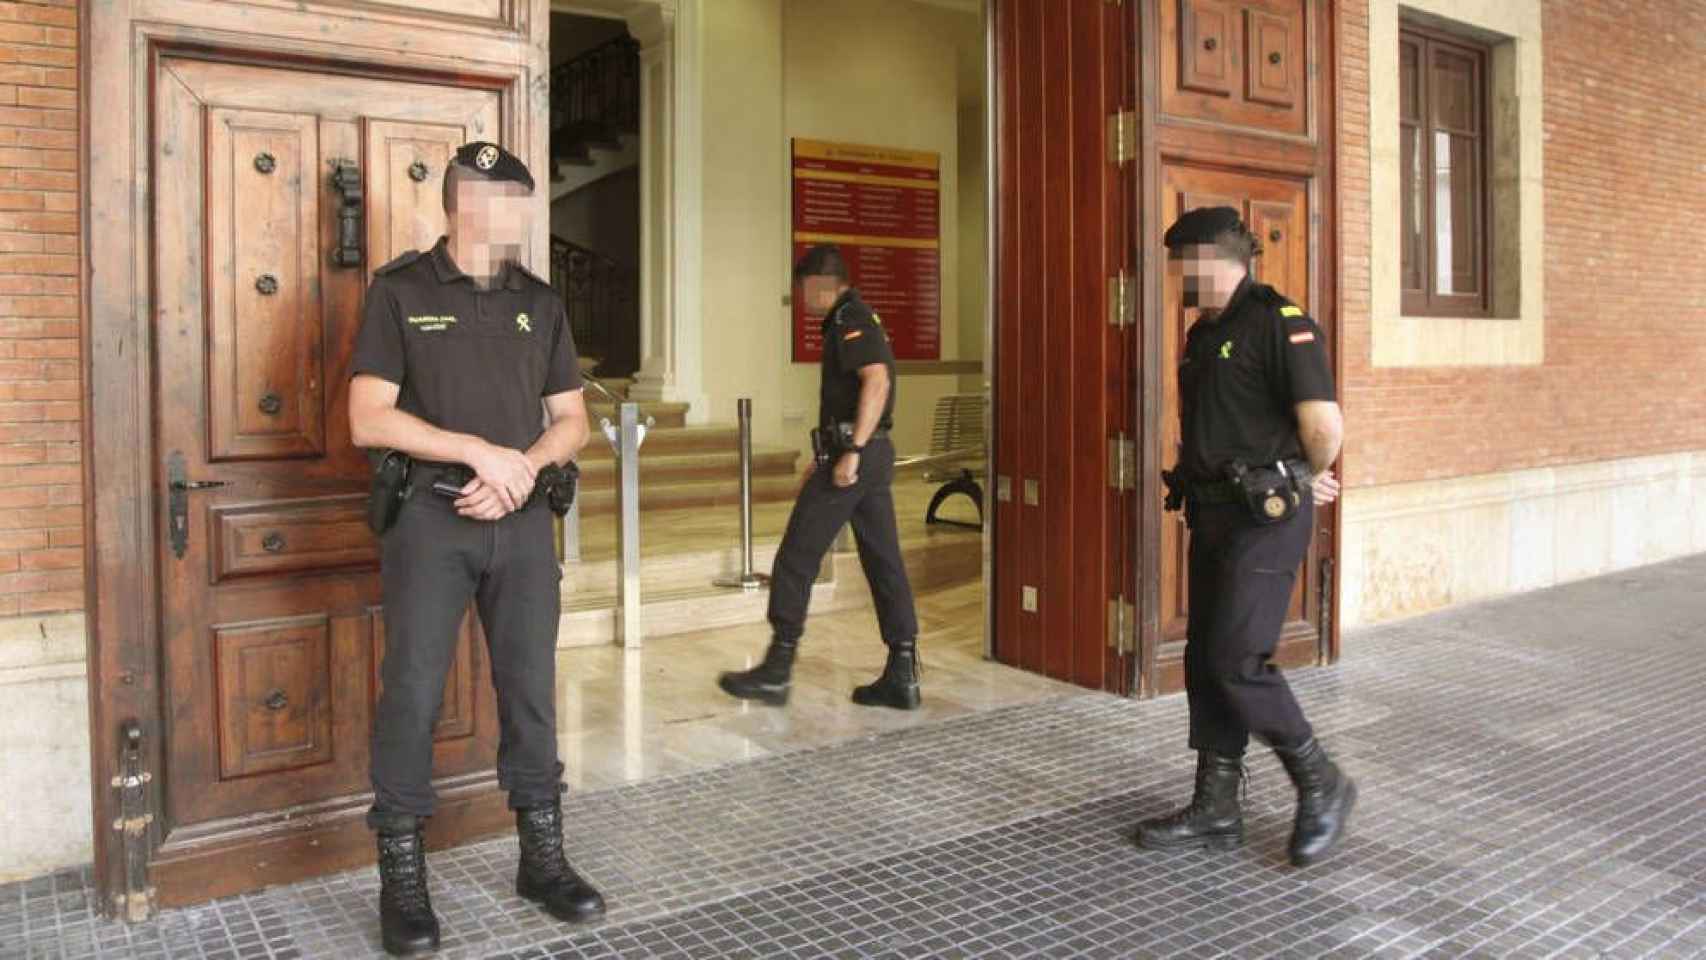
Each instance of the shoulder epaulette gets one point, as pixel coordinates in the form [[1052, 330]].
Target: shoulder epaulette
[[403, 260]]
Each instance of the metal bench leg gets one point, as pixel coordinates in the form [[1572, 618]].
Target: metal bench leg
[[964, 483]]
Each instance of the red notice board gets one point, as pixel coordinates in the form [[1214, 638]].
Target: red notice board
[[883, 208]]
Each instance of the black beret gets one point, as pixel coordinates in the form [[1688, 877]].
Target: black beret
[[1202, 225], [493, 162]]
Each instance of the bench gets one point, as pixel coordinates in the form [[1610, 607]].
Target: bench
[[956, 435]]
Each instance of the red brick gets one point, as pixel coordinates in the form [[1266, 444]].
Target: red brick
[[16, 263], [49, 140], [22, 200], [43, 179], [24, 539], [30, 222], [25, 349], [37, 96], [66, 536], [33, 581], [39, 285], [61, 558], [49, 601], [33, 158]]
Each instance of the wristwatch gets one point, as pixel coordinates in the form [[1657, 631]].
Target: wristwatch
[[860, 449]]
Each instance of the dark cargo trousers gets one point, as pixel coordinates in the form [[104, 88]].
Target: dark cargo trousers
[[432, 562], [1241, 579], [819, 514]]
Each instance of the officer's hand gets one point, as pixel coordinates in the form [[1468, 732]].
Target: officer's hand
[[480, 501], [1326, 488], [508, 472], [847, 470]]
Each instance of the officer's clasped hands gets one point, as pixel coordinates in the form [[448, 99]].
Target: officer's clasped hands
[[503, 480]]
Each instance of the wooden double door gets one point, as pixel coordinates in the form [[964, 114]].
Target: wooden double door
[[1111, 120], [277, 190]]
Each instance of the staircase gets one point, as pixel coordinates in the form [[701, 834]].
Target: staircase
[[681, 466], [595, 104]]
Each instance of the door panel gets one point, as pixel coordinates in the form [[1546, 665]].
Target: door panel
[[1278, 213], [1205, 47], [393, 149], [1061, 532], [274, 695], [270, 620], [265, 327], [1240, 63]]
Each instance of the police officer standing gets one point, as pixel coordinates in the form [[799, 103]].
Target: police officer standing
[[458, 347], [850, 482], [1260, 428]]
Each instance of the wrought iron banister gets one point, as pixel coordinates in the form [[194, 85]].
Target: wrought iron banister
[[597, 91], [597, 293]]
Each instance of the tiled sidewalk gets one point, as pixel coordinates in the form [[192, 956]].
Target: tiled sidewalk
[[1533, 784]]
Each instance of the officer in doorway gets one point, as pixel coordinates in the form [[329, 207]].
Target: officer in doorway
[[1260, 429], [850, 482], [458, 348]]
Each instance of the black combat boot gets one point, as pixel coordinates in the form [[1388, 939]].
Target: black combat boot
[[406, 920], [1214, 819], [898, 686], [1325, 797], [544, 875], [767, 682]]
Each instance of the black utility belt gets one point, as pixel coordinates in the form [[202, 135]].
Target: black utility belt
[[830, 443], [1269, 492], [396, 475]]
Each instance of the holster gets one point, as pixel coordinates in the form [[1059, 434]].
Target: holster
[[823, 447], [390, 487], [1176, 490], [558, 486], [1272, 493]]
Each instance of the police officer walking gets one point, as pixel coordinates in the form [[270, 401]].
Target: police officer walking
[[457, 348], [850, 482], [1260, 428]]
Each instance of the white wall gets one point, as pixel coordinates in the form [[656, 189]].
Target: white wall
[[881, 72]]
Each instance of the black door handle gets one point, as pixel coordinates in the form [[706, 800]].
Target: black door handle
[[178, 501], [346, 180]]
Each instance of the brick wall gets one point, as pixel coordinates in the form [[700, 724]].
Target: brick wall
[[1625, 160], [41, 519]]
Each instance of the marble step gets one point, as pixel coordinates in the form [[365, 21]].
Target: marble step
[[600, 501], [677, 596], [663, 469], [666, 441], [664, 415]]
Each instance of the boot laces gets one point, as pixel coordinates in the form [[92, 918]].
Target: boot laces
[[542, 845], [403, 871]]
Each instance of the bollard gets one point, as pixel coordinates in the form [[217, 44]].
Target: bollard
[[748, 579], [625, 439]]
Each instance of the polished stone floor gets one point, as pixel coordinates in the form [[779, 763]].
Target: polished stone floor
[[1533, 785]]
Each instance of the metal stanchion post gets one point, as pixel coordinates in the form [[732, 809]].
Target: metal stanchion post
[[748, 579], [625, 439]]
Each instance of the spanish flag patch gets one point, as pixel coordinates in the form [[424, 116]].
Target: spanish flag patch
[[854, 335], [1305, 336]]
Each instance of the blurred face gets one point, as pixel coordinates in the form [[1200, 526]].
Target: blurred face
[[818, 294], [492, 213], [1206, 279]]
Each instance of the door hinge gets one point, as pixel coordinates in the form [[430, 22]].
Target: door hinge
[[1122, 462], [1122, 626], [1119, 300], [136, 902], [1122, 138], [1325, 645]]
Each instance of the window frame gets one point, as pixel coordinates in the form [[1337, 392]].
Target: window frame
[[1428, 301]]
